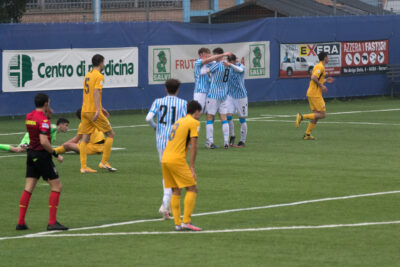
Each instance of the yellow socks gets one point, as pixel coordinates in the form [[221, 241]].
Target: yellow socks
[[107, 149], [190, 201], [60, 150], [310, 127], [310, 116], [176, 208], [83, 154]]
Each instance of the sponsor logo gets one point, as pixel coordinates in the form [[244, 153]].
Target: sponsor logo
[[257, 60], [161, 64], [20, 70]]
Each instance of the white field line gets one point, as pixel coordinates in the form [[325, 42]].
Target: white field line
[[214, 213], [13, 156], [337, 113], [334, 122], [272, 228]]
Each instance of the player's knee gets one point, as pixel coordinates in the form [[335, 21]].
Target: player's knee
[[242, 120], [322, 115], [193, 189], [110, 134], [176, 191]]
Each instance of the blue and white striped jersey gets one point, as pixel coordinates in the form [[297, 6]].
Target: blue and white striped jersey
[[236, 88], [168, 110], [219, 81], [201, 82]]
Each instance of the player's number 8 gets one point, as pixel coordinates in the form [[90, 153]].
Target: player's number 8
[[87, 85], [173, 132], [226, 75]]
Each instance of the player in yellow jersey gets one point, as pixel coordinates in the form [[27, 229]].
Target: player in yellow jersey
[[176, 171], [95, 145], [94, 116], [314, 95]]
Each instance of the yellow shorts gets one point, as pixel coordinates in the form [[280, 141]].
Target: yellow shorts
[[87, 125], [93, 148], [316, 103], [177, 175]]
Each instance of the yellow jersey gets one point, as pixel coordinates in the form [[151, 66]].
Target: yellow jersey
[[318, 71], [95, 137], [93, 80], [179, 138]]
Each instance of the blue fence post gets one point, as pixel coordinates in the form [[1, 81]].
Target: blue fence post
[[186, 10]]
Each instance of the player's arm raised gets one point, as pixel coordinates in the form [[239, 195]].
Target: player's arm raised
[[215, 57], [193, 154], [44, 141]]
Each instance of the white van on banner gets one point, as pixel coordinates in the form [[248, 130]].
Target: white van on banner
[[177, 61], [60, 69]]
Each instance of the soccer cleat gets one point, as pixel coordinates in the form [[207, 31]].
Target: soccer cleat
[[107, 166], [211, 146], [232, 140], [21, 227], [178, 228], [241, 144], [87, 170], [308, 137], [226, 146], [190, 227], [164, 212], [56, 227], [299, 118]]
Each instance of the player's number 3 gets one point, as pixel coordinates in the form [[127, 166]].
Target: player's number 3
[[173, 132], [87, 85]]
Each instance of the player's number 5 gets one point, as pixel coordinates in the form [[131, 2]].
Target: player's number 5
[[87, 85], [173, 132]]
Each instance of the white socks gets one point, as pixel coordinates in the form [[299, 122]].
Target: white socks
[[210, 132]]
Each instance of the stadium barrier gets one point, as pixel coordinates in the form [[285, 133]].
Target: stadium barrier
[[168, 49]]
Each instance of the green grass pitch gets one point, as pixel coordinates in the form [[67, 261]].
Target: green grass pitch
[[355, 153]]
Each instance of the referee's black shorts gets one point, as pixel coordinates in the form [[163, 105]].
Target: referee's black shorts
[[39, 164]]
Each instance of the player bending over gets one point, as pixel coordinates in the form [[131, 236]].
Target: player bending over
[[94, 146], [176, 171], [94, 116], [201, 77], [60, 127], [167, 110], [237, 99], [217, 99], [39, 163], [314, 95]]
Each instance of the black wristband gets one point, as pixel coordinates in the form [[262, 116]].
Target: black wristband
[[55, 154]]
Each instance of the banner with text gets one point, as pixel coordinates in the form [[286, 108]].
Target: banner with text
[[298, 60], [58, 69], [177, 61]]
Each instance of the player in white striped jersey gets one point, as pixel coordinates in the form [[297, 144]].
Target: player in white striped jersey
[[201, 76], [217, 98], [167, 110], [237, 99]]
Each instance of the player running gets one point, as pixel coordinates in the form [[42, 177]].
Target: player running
[[237, 99], [201, 77], [167, 110], [94, 116], [60, 127], [217, 98], [94, 146], [314, 95], [39, 163], [176, 171]]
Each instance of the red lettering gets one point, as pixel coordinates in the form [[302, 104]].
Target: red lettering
[[311, 48]]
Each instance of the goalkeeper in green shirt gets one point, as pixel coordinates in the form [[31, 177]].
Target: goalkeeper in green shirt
[[60, 127]]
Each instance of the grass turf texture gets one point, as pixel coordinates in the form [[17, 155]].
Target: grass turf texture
[[276, 166]]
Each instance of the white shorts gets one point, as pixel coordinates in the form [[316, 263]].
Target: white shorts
[[230, 105], [160, 153], [241, 106], [201, 98], [213, 106]]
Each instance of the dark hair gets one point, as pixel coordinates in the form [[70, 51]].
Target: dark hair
[[218, 51], [203, 50], [78, 113], [232, 58], [172, 86], [62, 121], [193, 106], [322, 56], [41, 99], [97, 60]]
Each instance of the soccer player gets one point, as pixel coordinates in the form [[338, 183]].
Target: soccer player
[[237, 99], [167, 110], [39, 163], [201, 77], [94, 146], [94, 116], [217, 99], [60, 127], [176, 171], [314, 95]]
